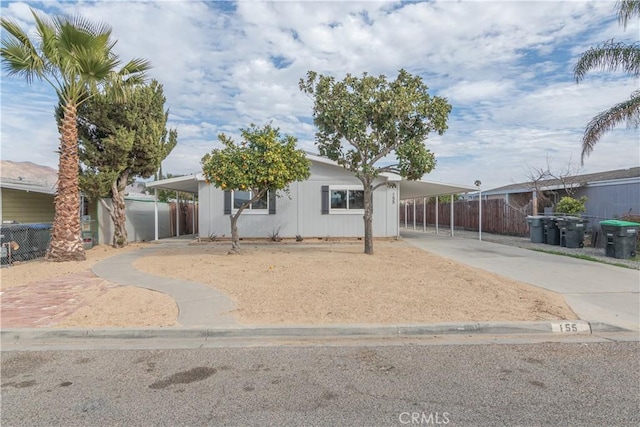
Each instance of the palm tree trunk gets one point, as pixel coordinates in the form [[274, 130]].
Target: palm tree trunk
[[66, 241]]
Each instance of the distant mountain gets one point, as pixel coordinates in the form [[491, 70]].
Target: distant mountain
[[28, 172]]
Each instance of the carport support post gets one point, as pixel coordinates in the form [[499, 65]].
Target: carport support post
[[193, 213], [480, 214], [424, 214], [405, 214], [177, 214], [414, 214], [155, 213], [437, 214], [451, 219]]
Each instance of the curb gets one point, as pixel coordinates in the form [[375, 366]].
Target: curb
[[302, 331]]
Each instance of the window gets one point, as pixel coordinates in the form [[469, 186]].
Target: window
[[233, 200], [347, 199], [342, 199], [242, 197]]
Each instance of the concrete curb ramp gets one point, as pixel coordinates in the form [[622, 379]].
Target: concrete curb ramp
[[302, 331]]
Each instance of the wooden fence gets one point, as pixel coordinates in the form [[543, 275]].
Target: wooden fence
[[497, 216], [188, 218]]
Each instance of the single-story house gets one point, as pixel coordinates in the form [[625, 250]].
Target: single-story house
[[328, 204], [26, 202], [610, 194]]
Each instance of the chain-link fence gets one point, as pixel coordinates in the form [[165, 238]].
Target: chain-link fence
[[23, 242]]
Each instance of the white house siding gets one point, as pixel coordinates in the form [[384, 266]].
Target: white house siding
[[301, 213]]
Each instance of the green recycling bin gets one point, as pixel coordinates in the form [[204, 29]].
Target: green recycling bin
[[551, 230], [536, 228], [571, 231], [621, 238]]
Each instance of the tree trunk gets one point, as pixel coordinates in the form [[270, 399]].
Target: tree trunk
[[118, 213], [235, 239], [368, 218], [66, 241]]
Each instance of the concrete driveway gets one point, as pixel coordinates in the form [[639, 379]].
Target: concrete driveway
[[596, 292]]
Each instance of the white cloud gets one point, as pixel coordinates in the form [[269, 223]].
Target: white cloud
[[504, 65]]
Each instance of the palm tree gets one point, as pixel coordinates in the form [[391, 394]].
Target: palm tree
[[611, 56], [75, 57]]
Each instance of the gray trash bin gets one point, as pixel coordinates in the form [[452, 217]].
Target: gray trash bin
[[571, 231], [536, 228], [551, 230], [621, 238]]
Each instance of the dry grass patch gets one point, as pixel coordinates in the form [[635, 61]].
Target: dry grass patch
[[334, 283]]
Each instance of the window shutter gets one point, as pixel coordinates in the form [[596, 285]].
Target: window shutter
[[272, 202], [325, 199], [227, 202]]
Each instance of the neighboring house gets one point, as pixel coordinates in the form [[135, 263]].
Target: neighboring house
[[26, 192], [26, 202], [328, 204], [610, 194]]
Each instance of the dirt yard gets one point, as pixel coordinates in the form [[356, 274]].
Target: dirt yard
[[337, 283], [51, 294], [292, 284]]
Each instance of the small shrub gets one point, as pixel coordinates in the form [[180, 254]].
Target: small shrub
[[275, 235], [571, 206]]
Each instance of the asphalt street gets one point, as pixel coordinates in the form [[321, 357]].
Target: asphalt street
[[541, 384]]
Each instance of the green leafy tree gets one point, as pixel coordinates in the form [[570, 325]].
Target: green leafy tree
[[264, 161], [370, 125], [121, 140], [74, 56], [612, 56], [445, 199]]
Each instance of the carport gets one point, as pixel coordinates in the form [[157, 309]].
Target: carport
[[424, 189], [184, 184]]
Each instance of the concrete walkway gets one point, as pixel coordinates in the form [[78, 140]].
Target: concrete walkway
[[199, 306], [596, 292]]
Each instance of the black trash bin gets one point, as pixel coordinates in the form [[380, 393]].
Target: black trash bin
[[571, 231], [551, 230], [621, 238], [536, 228]]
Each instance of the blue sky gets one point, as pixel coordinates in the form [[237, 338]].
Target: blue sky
[[505, 66]]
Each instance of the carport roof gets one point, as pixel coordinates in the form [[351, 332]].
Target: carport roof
[[424, 188], [186, 184], [408, 189]]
